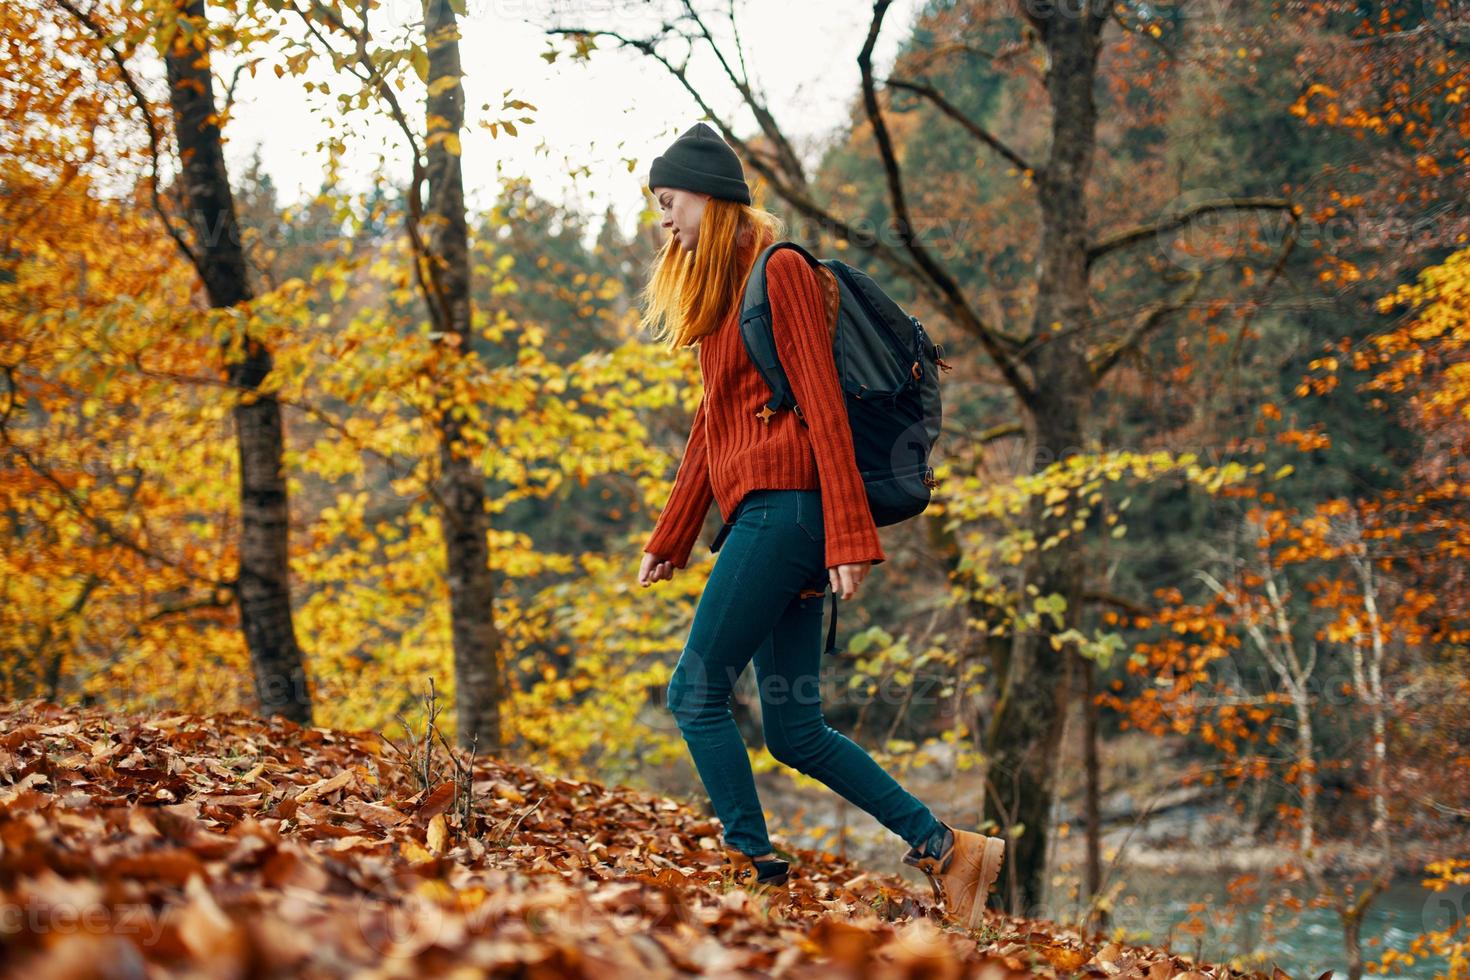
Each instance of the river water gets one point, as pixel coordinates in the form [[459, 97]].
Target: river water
[[1192, 913]]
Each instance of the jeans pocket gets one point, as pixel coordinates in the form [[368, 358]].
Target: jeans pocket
[[809, 515]]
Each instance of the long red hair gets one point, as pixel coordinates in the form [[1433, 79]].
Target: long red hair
[[689, 294]]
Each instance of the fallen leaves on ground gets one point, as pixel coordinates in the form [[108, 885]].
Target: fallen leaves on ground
[[233, 846]]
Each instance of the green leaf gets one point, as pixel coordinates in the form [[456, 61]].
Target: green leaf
[[1053, 605]]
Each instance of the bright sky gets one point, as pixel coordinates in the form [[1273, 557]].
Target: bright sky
[[620, 105]]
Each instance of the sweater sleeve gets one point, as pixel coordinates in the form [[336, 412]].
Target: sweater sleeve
[[799, 324], [678, 526]]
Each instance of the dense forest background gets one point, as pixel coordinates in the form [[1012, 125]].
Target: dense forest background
[[1259, 598]]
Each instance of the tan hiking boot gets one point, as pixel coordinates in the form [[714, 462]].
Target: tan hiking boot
[[961, 867]]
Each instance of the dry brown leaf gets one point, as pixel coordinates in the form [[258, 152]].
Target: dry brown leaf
[[175, 865], [324, 786], [435, 803], [438, 836], [373, 814]]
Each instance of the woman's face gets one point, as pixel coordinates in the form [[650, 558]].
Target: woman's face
[[681, 210]]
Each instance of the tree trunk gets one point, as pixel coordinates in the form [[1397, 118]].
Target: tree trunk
[[1369, 685], [263, 587], [472, 584], [1306, 773], [1025, 731], [1352, 940], [1099, 916]]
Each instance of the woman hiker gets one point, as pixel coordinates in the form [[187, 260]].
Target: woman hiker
[[797, 521]]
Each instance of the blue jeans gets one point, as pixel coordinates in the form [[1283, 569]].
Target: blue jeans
[[752, 607]]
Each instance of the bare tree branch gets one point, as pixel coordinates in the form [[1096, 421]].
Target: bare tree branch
[[1287, 247], [1151, 319], [782, 147], [953, 297], [229, 90], [970, 126], [921, 60], [1123, 239]]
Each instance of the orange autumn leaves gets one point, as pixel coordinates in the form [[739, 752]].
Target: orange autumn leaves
[[220, 843]]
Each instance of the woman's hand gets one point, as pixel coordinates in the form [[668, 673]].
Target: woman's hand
[[655, 568], [846, 578]]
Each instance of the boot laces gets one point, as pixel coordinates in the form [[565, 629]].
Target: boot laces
[[932, 864]]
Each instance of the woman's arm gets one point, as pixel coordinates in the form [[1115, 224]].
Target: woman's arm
[[799, 323], [678, 526]]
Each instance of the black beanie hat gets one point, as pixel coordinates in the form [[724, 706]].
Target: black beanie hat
[[699, 160]]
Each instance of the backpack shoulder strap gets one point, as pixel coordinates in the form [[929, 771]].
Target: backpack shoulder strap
[[826, 279], [755, 284], [757, 335]]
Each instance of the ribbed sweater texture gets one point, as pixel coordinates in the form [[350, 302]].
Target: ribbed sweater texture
[[731, 451]]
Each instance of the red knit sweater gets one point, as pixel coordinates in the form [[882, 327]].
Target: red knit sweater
[[731, 452]]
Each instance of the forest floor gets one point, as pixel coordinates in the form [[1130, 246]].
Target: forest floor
[[231, 846]]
